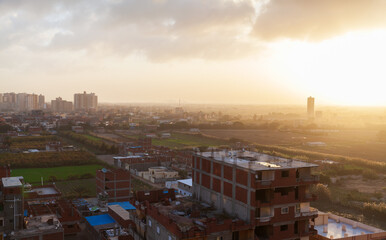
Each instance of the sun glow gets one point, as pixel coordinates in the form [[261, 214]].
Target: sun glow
[[348, 69]]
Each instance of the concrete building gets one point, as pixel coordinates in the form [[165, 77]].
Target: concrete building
[[115, 183], [158, 174], [311, 108], [21, 99], [270, 193], [41, 102], [12, 201], [185, 187], [61, 106], [32, 102], [85, 101]]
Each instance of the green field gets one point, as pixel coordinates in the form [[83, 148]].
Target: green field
[[92, 138], [33, 175], [180, 140], [78, 188]]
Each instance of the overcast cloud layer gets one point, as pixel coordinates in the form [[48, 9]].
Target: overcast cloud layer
[[182, 48], [167, 29]]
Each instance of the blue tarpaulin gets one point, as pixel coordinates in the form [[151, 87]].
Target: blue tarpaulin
[[100, 220]]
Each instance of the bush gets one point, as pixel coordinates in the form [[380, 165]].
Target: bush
[[322, 192], [52, 179], [48, 159], [376, 209], [87, 176], [371, 175]]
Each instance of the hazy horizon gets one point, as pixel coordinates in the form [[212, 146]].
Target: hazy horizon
[[218, 52]]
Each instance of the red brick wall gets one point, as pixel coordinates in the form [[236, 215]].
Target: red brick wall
[[216, 185], [228, 173], [242, 177], [241, 194], [205, 165], [5, 171], [155, 195], [217, 169], [205, 180], [277, 234], [228, 189]]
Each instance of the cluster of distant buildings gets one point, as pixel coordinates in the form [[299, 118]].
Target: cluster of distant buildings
[[22, 101], [28, 102]]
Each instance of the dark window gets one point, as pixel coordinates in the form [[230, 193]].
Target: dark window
[[235, 236], [285, 174], [283, 227]]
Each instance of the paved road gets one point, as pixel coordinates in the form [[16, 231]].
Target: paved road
[[107, 159]]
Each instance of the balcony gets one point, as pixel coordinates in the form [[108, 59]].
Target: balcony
[[266, 219], [265, 183], [313, 212], [308, 179]]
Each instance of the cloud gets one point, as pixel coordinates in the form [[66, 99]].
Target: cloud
[[318, 19], [161, 30]]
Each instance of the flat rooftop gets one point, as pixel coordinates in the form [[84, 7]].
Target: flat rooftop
[[45, 191], [256, 161], [46, 223], [125, 215], [188, 213], [335, 227], [100, 220], [188, 182], [124, 205], [12, 181]]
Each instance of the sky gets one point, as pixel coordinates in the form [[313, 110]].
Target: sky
[[199, 51]]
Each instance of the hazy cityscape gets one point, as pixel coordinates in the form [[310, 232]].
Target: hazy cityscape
[[196, 120]]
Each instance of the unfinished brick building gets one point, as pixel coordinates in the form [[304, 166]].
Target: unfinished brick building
[[270, 193], [115, 182]]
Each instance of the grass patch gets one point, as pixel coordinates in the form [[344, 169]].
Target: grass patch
[[181, 140], [138, 185], [92, 138], [70, 189], [33, 175]]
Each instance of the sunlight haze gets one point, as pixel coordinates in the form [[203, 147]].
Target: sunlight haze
[[247, 51]]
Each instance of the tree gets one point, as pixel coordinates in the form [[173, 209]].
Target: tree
[[81, 191], [322, 192], [52, 179]]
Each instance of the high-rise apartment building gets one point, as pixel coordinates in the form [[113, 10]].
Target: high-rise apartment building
[[311, 107], [60, 105], [32, 102], [41, 102], [21, 99], [85, 101], [271, 194]]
